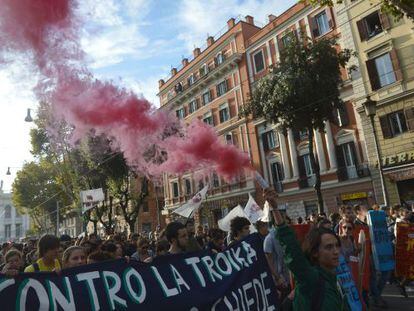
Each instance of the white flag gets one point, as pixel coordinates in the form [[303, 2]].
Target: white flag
[[266, 213], [90, 198], [191, 206], [252, 210], [224, 223]]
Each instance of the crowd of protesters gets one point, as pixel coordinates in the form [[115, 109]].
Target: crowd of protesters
[[312, 265]]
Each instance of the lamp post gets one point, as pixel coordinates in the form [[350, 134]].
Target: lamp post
[[370, 107]]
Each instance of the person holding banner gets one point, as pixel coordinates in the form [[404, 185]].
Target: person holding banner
[[314, 267], [48, 249]]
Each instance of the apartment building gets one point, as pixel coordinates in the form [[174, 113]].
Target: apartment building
[[212, 86], [385, 49], [13, 225], [340, 150]]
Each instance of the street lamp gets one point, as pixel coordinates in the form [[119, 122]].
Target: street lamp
[[28, 116], [8, 171], [370, 107]]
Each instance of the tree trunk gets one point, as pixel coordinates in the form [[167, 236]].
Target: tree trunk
[[131, 225], [316, 170]]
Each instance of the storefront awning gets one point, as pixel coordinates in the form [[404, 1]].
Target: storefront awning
[[400, 173]]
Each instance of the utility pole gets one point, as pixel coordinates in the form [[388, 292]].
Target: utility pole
[[57, 218]]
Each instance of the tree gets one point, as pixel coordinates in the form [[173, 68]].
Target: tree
[[397, 8], [301, 91]]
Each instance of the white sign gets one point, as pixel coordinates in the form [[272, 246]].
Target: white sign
[[187, 210], [253, 210], [224, 223], [90, 198]]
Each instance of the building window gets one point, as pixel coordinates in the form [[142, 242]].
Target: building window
[[203, 70], [269, 140], [308, 166], [208, 118], [277, 175], [178, 88], [221, 88], [191, 80], [341, 115], [174, 186], [229, 139], [348, 151], [180, 113], [216, 180], [7, 211], [258, 60], [384, 70], [322, 24], [372, 25], [18, 230], [192, 106], [303, 134], [7, 231], [206, 97], [393, 124], [224, 113], [200, 185], [145, 207], [219, 58], [187, 186]]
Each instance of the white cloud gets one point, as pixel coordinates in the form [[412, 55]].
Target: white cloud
[[113, 31], [197, 18]]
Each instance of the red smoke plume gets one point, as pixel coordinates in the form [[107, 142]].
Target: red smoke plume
[[48, 32]]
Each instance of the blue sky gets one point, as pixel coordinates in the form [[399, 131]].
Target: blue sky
[[133, 42]]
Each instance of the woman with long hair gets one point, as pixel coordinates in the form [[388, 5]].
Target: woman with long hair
[[313, 266]]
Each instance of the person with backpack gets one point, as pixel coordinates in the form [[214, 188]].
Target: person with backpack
[[313, 268], [48, 249]]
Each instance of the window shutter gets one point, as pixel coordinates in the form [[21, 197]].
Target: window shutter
[[301, 166], [373, 74], [215, 61], [362, 29], [385, 127], [265, 142], [343, 114], [409, 117], [218, 90], [296, 135], [227, 84], [197, 103], [329, 14], [185, 111], [396, 64], [385, 21], [210, 95], [342, 172], [353, 152]]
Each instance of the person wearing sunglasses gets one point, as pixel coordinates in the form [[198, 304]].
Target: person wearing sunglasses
[[348, 245]]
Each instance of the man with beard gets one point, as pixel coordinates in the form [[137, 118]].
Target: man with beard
[[177, 236]]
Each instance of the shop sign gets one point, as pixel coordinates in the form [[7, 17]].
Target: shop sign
[[353, 196], [397, 159]]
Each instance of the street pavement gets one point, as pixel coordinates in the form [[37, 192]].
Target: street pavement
[[395, 301]]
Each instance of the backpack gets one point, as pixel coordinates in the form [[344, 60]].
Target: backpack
[[317, 297]]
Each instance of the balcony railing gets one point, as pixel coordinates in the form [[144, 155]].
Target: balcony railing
[[278, 186], [353, 172], [307, 181]]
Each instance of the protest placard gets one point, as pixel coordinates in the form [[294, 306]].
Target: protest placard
[[238, 278], [382, 251], [348, 286], [404, 251]]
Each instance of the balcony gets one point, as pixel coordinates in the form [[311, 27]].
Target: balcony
[[307, 181], [278, 186], [186, 91], [353, 172]]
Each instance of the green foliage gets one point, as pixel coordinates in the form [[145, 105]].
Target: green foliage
[[302, 90], [397, 8]]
